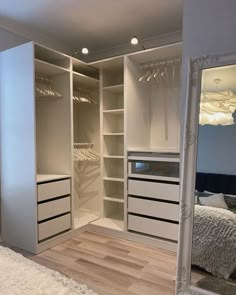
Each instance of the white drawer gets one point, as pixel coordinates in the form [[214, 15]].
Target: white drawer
[[155, 190], [54, 226], [154, 208], [53, 208], [153, 227], [53, 189]]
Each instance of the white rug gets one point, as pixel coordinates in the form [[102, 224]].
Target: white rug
[[21, 276]]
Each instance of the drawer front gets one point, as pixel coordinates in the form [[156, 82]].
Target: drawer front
[[153, 227], [153, 208], [53, 189], [53, 208], [54, 226], [155, 190], [164, 169]]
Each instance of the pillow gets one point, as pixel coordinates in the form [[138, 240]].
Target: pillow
[[196, 201], [230, 200], [216, 200]]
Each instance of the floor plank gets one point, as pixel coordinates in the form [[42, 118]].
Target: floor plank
[[112, 266]]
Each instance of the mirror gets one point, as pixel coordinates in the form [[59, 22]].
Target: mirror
[[213, 256], [207, 238]]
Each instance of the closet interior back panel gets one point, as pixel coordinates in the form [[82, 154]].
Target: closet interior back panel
[[153, 106], [53, 127], [86, 138]]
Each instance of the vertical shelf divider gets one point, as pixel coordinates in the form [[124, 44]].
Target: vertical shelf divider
[[112, 146]]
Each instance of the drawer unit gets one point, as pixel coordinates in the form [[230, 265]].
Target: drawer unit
[[153, 165], [153, 227], [155, 190], [53, 208], [53, 189], [153, 208], [53, 227]]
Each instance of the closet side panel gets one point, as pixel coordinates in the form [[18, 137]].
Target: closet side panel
[[53, 126], [138, 108], [165, 124], [18, 168]]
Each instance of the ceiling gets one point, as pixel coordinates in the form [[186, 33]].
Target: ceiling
[[226, 76], [96, 24]]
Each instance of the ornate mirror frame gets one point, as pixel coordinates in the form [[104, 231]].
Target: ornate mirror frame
[[188, 168]]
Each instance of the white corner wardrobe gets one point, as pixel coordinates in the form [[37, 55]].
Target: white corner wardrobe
[[89, 146]]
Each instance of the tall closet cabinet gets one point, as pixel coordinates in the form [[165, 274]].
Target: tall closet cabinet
[[89, 146], [35, 146]]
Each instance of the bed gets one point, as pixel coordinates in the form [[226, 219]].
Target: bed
[[214, 230]]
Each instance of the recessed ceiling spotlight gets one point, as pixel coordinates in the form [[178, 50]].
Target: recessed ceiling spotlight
[[134, 40], [85, 50]]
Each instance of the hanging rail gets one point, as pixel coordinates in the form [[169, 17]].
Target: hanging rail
[[161, 71], [45, 89]]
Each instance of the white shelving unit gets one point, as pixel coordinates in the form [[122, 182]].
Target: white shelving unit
[[123, 115], [112, 143]]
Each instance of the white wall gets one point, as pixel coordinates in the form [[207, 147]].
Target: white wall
[[8, 40], [216, 149], [31, 34]]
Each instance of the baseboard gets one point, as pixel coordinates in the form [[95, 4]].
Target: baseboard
[[153, 242]]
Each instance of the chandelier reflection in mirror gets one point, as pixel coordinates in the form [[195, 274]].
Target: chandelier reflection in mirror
[[217, 107]]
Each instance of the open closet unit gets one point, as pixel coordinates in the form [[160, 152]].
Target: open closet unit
[[86, 144], [153, 127], [35, 146], [89, 146]]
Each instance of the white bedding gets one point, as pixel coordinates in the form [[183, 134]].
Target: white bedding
[[214, 240]]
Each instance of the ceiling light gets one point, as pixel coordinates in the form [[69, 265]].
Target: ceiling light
[[134, 40], [217, 108], [85, 50]]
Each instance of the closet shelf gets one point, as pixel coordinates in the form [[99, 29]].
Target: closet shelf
[[115, 198], [118, 179], [110, 223], [50, 177], [47, 69], [154, 150], [115, 89], [85, 69], [113, 134], [114, 112], [52, 56], [85, 81], [112, 157], [157, 158]]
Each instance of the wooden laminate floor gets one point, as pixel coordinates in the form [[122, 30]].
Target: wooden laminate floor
[[113, 266]]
